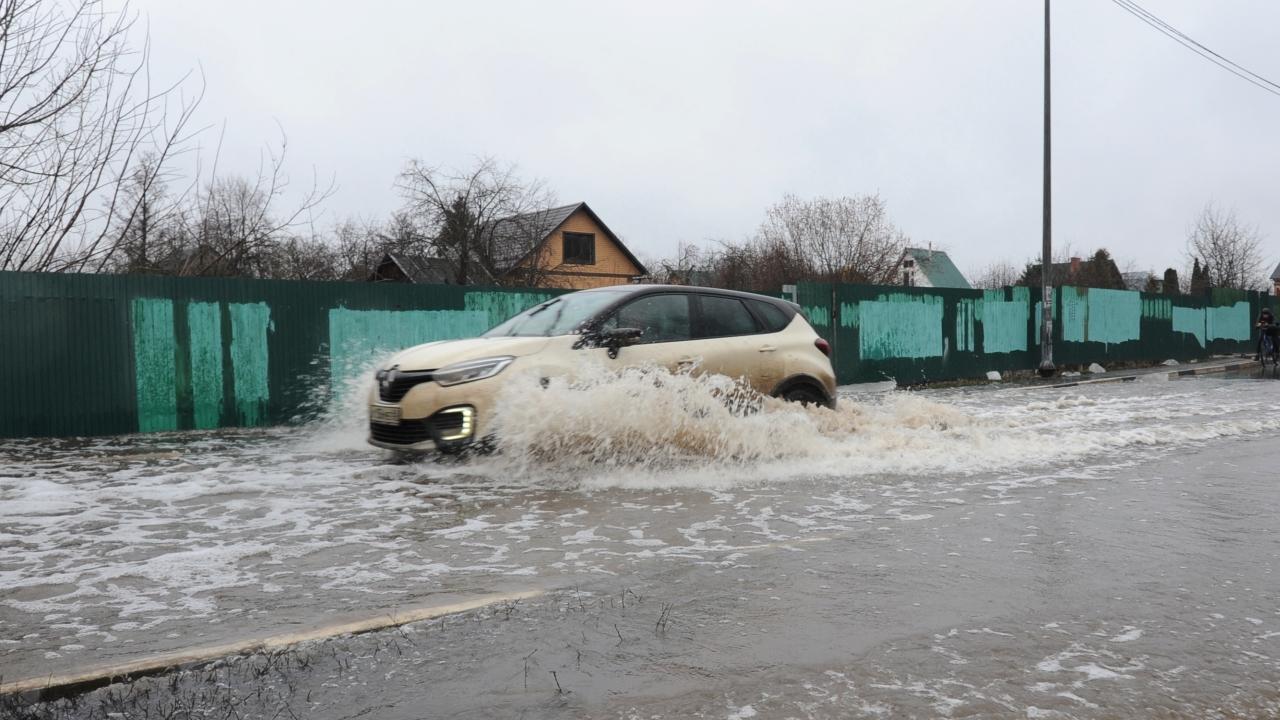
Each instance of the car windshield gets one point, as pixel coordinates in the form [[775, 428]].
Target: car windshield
[[558, 316]]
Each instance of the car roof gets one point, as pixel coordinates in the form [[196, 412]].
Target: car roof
[[632, 290]]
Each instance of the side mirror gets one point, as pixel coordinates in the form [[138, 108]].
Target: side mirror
[[617, 338]]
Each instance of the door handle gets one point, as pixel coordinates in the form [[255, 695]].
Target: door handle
[[768, 348]]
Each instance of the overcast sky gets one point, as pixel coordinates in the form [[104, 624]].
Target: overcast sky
[[682, 121]]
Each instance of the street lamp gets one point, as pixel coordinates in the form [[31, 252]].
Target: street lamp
[[1046, 260]]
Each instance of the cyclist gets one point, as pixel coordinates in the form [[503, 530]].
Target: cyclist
[[1267, 327]]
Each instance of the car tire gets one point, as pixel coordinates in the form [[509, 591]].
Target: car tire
[[804, 395]]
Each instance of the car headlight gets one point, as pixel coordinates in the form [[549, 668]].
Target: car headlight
[[471, 370]]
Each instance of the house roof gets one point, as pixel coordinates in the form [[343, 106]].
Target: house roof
[[514, 238], [1137, 280], [937, 266], [1062, 272], [421, 268], [540, 225], [517, 236], [1276, 275]]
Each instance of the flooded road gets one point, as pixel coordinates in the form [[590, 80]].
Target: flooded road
[[1107, 550]]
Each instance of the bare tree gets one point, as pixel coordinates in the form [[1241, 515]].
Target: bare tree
[[142, 226], [301, 258], [357, 249], [359, 245], [690, 265], [233, 225], [841, 239], [399, 234], [484, 221], [998, 274], [77, 113], [1230, 252], [764, 264]]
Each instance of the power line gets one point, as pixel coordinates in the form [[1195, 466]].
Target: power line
[[1191, 40], [1191, 44]]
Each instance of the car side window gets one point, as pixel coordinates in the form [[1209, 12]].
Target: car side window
[[775, 320], [662, 318], [725, 316]]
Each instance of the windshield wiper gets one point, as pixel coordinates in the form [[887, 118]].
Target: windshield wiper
[[540, 308]]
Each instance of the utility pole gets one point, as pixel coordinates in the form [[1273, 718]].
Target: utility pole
[[1046, 260]]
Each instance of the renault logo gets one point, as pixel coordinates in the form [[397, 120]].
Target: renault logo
[[389, 377]]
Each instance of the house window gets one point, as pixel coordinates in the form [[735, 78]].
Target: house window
[[579, 248], [908, 263]]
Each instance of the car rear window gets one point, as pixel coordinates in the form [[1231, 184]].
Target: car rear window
[[774, 317], [724, 316]]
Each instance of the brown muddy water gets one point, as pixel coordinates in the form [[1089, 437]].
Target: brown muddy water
[[1109, 551]]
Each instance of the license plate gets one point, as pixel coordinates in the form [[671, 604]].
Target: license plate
[[384, 414]]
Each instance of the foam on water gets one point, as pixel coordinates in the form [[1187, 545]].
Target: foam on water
[[648, 428]]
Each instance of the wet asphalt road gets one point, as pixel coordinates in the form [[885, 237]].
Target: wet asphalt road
[[1105, 552]]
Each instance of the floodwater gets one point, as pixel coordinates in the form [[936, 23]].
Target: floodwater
[[1103, 551]]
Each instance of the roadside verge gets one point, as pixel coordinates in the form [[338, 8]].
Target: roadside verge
[[53, 686]]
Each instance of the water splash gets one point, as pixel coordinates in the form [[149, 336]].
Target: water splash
[[641, 416], [647, 427], [339, 418]]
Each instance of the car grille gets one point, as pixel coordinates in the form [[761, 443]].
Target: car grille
[[409, 432], [400, 386]]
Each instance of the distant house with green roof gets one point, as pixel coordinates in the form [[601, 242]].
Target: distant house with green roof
[[926, 267]]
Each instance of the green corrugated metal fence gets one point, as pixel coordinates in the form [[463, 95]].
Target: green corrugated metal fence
[[922, 334], [104, 354]]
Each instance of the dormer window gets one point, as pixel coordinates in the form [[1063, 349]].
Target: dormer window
[[579, 248]]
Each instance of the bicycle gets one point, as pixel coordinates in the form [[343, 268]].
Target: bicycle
[[1269, 351]]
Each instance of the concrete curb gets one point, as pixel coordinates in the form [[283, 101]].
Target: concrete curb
[[1172, 374], [1229, 367], [54, 686]]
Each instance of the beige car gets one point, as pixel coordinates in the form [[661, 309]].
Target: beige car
[[441, 395]]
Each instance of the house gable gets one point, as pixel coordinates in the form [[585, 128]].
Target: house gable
[[930, 268], [613, 262], [389, 270], [412, 269], [606, 260]]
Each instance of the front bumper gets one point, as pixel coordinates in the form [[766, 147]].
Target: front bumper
[[449, 429], [427, 418]]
